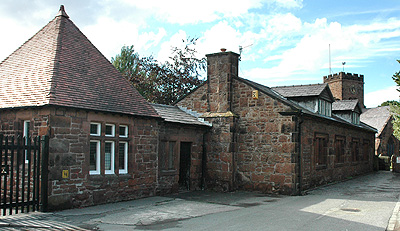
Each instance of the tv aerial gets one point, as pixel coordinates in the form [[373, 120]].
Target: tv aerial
[[241, 50]]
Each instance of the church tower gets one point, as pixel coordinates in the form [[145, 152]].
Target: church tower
[[345, 86]]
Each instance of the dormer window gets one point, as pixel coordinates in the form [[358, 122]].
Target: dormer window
[[355, 118], [324, 107]]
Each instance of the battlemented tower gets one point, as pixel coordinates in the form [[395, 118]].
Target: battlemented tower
[[346, 86]]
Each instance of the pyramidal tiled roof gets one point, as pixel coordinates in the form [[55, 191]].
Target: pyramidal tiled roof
[[60, 66]]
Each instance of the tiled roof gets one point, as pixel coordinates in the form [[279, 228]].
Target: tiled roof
[[344, 105], [60, 66], [301, 90], [175, 114], [376, 117]]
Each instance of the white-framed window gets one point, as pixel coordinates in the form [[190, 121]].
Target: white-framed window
[[94, 156], [123, 157], [95, 129], [26, 128], [108, 146], [123, 131], [110, 130], [109, 157]]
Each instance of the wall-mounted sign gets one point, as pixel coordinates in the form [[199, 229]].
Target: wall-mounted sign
[[65, 174], [254, 94]]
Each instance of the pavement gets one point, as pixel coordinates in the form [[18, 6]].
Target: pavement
[[369, 202]]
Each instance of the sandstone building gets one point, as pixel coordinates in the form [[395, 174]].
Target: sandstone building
[[228, 134], [282, 139]]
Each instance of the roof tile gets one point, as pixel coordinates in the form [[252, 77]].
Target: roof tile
[[175, 114], [376, 117], [345, 105], [300, 90]]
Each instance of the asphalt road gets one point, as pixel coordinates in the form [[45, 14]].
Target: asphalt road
[[363, 203]]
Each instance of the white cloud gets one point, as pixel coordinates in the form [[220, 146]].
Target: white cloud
[[272, 76], [148, 40], [109, 36], [289, 3], [183, 11], [165, 48], [310, 45], [375, 98], [222, 35], [17, 34]]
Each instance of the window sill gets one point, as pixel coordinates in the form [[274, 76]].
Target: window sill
[[338, 165], [168, 172], [103, 176], [321, 167]]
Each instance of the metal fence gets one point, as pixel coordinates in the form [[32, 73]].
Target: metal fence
[[23, 174]]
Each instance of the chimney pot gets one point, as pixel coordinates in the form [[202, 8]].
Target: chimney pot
[[223, 49]]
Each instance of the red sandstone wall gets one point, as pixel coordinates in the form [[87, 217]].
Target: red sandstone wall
[[220, 146], [69, 150], [11, 121], [168, 180], [197, 100], [265, 144], [383, 140], [313, 176]]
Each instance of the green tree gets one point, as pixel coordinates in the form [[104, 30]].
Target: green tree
[[395, 108], [166, 82], [389, 102]]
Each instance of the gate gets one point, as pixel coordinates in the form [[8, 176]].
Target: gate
[[23, 174]]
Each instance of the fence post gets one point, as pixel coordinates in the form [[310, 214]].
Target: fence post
[[45, 172]]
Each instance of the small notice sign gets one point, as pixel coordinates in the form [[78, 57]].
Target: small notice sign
[[254, 94], [65, 174], [398, 160]]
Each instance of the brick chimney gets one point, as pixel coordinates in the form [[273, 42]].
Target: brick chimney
[[221, 67]]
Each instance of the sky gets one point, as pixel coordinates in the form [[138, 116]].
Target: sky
[[285, 42]]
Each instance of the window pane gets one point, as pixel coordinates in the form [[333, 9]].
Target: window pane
[[339, 149], [123, 131], [355, 150], [95, 129], [26, 137], [110, 130], [123, 148], [162, 154], [320, 150], [93, 156], [26, 128], [107, 157], [171, 155]]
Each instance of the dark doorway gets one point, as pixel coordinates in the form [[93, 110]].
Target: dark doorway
[[184, 166]]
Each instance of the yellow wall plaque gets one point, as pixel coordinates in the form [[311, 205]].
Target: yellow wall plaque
[[65, 174], [254, 94]]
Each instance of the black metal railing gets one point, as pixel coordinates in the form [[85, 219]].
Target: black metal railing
[[23, 174]]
